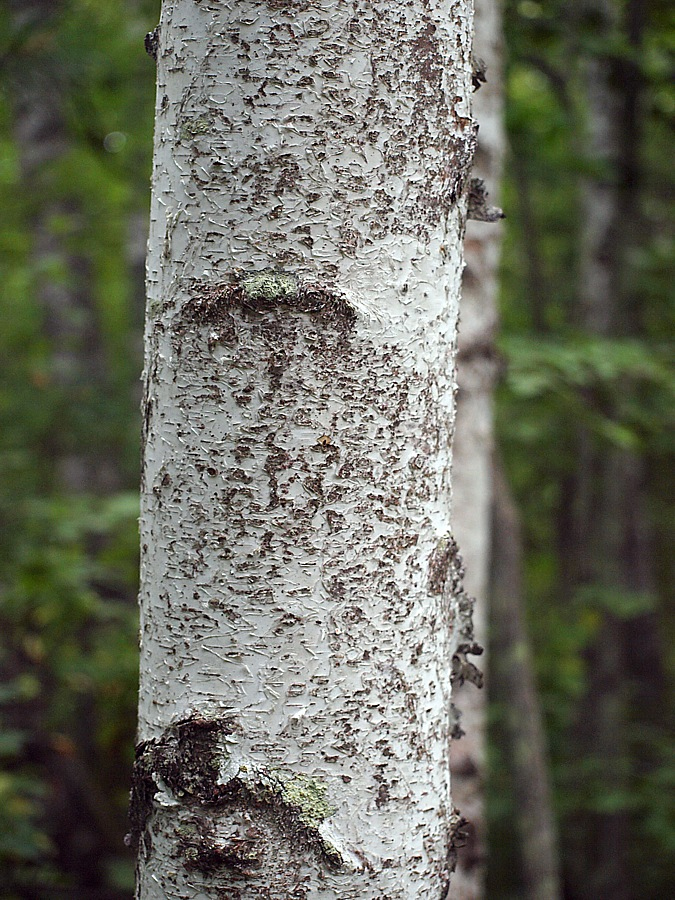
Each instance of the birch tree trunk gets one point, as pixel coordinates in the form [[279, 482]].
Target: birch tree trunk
[[299, 591]]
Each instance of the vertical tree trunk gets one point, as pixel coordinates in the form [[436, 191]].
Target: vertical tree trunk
[[473, 443], [297, 606], [613, 557], [513, 672]]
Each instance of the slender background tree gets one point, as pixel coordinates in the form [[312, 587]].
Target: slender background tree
[[583, 416], [473, 445]]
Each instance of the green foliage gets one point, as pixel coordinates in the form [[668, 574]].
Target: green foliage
[[74, 196], [70, 636], [622, 390], [568, 391]]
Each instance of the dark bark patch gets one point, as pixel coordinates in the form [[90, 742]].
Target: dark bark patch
[[460, 159], [277, 460], [187, 760], [292, 6], [462, 669], [446, 577], [429, 63], [458, 837], [478, 208], [201, 849], [478, 72], [152, 43], [266, 290], [439, 565]]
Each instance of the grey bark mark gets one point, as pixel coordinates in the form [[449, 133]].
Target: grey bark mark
[[267, 290]]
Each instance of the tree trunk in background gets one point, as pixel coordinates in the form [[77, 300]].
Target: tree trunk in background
[[473, 443], [298, 583], [613, 554], [515, 687]]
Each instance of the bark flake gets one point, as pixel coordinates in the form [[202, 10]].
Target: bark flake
[[446, 577], [152, 43], [478, 208]]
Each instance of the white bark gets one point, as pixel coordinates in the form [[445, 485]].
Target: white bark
[[297, 612], [473, 443]]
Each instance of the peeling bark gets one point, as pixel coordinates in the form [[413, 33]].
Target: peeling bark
[[478, 208], [299, 595]]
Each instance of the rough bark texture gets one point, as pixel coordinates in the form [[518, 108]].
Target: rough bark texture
[[472, 448], [299, 582]]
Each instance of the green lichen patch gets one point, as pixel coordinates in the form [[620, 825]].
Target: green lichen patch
[[190, 760], [307, 797], [298, 803], [270, 285], [194, 127]]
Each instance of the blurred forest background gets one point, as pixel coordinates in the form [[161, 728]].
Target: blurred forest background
[[585, 409]]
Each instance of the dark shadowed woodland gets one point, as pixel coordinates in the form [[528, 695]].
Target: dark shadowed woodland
[[582, 566]]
